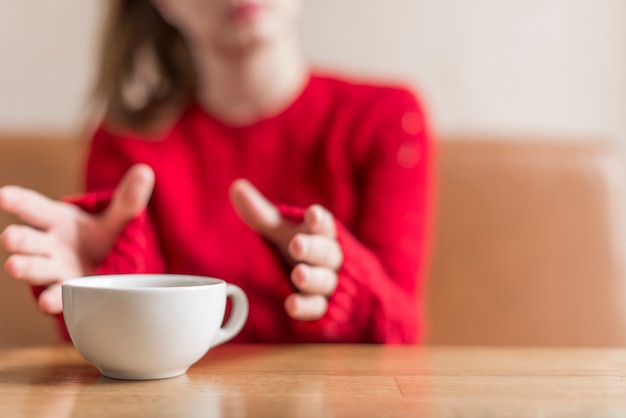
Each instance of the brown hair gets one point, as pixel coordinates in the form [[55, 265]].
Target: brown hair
[[145, 66]]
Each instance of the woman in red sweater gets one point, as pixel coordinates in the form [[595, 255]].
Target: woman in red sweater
[[221, 154]]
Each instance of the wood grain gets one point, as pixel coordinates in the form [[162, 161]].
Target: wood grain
[[326, 381]]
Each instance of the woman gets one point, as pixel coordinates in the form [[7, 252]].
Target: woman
[[221, 154]]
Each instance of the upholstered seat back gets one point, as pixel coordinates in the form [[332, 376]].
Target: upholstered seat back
[[527, 241], [528, 245]]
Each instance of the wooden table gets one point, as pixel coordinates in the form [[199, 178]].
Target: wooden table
[[326, 381]]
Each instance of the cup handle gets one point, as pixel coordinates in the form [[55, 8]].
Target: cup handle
[[238, 315]]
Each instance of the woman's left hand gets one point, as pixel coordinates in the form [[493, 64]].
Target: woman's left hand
[[310, 246]]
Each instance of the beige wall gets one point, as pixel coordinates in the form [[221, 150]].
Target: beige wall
[[545, 66], [46, 61], [532, 66], [554, 66]]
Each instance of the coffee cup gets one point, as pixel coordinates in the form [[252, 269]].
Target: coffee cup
[[149, 326]]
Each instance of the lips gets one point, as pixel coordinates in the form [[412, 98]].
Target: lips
[[245, 11]]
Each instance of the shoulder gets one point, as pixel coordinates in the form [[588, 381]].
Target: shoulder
[[369, 94], [376, 107]]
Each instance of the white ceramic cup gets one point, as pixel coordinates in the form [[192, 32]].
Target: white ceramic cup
[[150, 326]]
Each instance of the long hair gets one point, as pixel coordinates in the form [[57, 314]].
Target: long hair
[[145, 67]]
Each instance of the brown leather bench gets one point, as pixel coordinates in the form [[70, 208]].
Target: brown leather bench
[[527, 242]]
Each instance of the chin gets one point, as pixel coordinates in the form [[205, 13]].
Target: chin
[[249, 37]]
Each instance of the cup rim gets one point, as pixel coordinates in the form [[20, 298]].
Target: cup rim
[[115, 282]]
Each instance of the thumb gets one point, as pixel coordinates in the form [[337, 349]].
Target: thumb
[[258, 212], [51, 300], [131, 196]]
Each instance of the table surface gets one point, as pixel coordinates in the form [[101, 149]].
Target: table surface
[[326, 381]]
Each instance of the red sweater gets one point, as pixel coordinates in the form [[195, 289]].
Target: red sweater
[[361, 151]]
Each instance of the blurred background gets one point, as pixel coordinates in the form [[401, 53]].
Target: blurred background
[[507, 66], [505, 70]]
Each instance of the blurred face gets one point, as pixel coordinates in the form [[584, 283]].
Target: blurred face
[[231, 25]]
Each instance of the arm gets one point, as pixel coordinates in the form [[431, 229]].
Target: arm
[[59, 241], [379, 283], [362, 284], [137, 248], [106, 243]]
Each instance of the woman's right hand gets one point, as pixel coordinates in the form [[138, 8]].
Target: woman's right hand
[[60, 241]]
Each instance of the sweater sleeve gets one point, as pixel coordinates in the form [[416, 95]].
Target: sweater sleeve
[[379, 284], [137, 249]]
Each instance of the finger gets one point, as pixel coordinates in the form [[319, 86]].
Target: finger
[[131, 196], [30, 206], [51, 300], [314, 280], [35, 270], [26, 240], [320, 221], [306, 307], [258, 212], [316, 250]]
